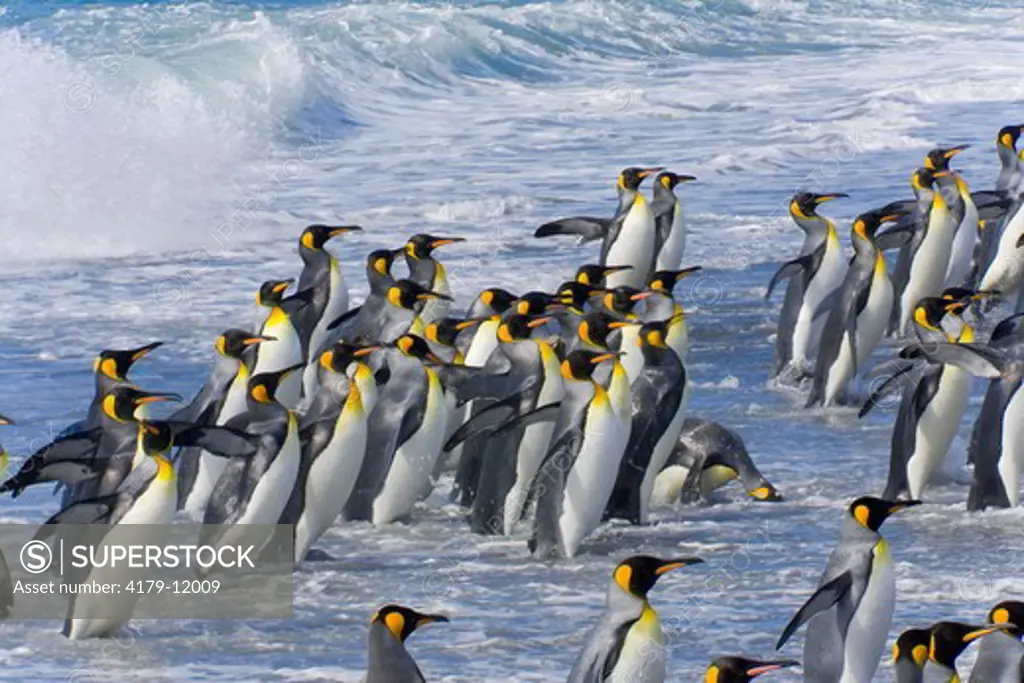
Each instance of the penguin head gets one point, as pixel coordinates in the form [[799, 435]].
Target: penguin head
[[664, 281], [594, 275], [668, 180], [765, 492], [912, 646], [535, 303], [804, 205], [116, 364], [410, 295], [938, 159], [741, 669], [922, 179], [519, 327], [416, 347], [653, 334], [156, 436], [595, 328], [271, 292], [637, 575], [234, 343], [421, 246], [263, 387], [341, 355], [930, 311], [623, 300], [497, 299], [122, 402], [379, 261], [871, 512], [402, 621], [1008, 136], [630, 178], [316, 236], [574, 295], [948, 640], [866, 225], [581, 363], [1010, 615], [446, 331]]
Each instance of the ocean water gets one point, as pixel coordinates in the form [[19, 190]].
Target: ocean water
[[160, 160]]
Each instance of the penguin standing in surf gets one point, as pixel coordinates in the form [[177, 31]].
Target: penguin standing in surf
[[814, 276], [389, 661], [288, 348], [850, 613], [947, 641], [627, 239], [627, 644], [360, 322], [1001, 654], [580, 468], [858, 319], [321, 273], [669, 220], [429, 273]]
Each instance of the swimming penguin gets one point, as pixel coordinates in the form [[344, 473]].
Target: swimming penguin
[[588, 444], [742, 670], [1001, 654], [428, 272], [627, 643], [706, 457], [660, 395], [406, 433], [948, 640], [288, 346], [910, 654], [661, 305], [858, 319], [851, 612], [321, 273], [389, 661], [222, 397], [254, 490], [668, 220], [814, 276], [100, 456], [628, 238], [333, 434]]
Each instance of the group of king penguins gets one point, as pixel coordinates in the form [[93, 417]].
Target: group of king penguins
[[959, 255], [570, 406]]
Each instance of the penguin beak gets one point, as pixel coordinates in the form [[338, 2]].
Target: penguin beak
[[685, 178], [4, 420], [671, 565], [651, 170], [442, 241], [980, 632], [423, 619], [466, 324], [953, 151], [688, 271], [619, 324], [157, 397], [426, 296], [257, 340], [366, 350], [765, 667], [822, 198], [142, 351], [940, 174], [608, 270], [342, 229], [605, 356], [640, 296], [902, 505], [537, 322], [282, 285]]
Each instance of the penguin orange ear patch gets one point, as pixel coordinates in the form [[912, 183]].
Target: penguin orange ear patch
[[623, 576], [260, 393], [1000, 616], [862, 514], [711, 676], [395, 623]]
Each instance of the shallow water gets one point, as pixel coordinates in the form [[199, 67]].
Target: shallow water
[[160, 162]]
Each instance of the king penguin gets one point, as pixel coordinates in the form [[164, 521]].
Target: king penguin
[[333, 435], [947, 641], [1001, 654], [814, 277], [669, 220], [851, 612], [321, 273], [360, 322], [221, 398], [111, 370], [429, 273], [389, 661], [857, 320], [288, 346], [582, 462], [910, 654], [628, 238], [742, 670], [662, 305], [627, 644]]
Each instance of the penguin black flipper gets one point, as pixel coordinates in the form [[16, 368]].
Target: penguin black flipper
[[980, 361], [823, 599], [344, 318], [587, 227], [901, 380], [226, 442], [91, 511], [898, 236], [79, 448], [486, 421], [992, 205], [987, 487], [791, 269], [469, 383]]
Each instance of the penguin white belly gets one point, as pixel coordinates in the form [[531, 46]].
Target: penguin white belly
[[927, 270], [435, 309], [591, 479], [275, 486], [840, 373], [272, 356], [678, 337], [937, 427], [210, 466], [1010, 460], [642, 657], [1004, 273], [869, 626], [668, 485], [671, 254], [534, 444], [414, 460], [830, 275], [873, 320], [963, 247], [660, 454], [634, 246], [485, 341], [337, 303], [633, 360], [331, 478]]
